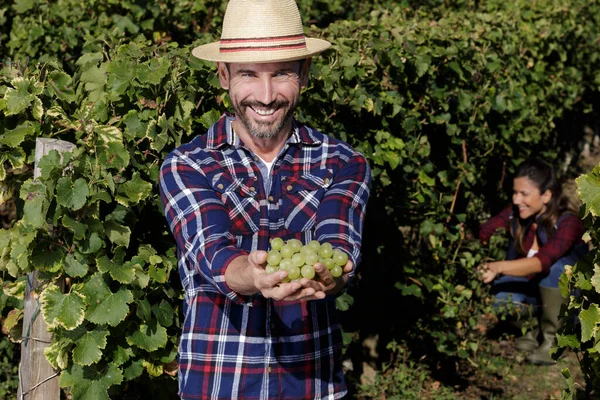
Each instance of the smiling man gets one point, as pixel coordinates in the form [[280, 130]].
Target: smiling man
[[256, 175]]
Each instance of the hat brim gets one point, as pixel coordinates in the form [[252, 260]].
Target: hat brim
[[211, 52]]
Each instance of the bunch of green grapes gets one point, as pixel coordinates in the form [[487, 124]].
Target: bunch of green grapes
[[298, 260]]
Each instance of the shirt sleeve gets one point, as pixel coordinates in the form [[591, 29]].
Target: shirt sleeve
[[199, 222], [569, 232], [340, 216], [498, 221]]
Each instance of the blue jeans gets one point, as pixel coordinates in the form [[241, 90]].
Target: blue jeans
[[523, 290]]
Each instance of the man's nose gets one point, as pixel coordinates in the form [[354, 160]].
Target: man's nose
[[267, 91]]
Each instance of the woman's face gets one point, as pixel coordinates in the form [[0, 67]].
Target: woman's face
[[527, 197]]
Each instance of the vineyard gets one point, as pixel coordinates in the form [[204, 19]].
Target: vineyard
[[444, 98]]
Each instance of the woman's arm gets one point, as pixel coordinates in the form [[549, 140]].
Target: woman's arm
[[518, 267]]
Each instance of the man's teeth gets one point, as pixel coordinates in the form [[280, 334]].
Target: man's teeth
[[264, 112]]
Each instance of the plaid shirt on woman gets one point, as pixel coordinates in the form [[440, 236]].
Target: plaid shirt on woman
[[220, 206]]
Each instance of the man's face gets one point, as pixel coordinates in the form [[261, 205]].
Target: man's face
[[264, 96]]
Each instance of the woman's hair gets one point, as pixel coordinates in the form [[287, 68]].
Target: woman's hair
[[544, 178]]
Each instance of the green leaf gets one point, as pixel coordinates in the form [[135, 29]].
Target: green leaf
[[104, 306], [134, 370], [118, 271], [209, 118], [74, 226], [57, 353], [588, 189], [589, 322], [149, 337], [91, 383], [66, 310], [74, 268], [72, 195], [89, 347], [153, 71], [19, 99], [36, 204], [596, 278], [50, 164], [422, 64], [344, 302], [163, 313], [134, 190], [117, 234], [14, 137], [61, 85]]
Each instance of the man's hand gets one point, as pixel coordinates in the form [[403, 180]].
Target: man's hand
[[246, 275]]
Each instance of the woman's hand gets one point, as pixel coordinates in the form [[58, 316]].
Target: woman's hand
[[489, 271]]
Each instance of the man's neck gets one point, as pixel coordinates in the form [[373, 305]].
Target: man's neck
[[266, 149]]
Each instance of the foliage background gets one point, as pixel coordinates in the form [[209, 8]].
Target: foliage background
[[444, 98]]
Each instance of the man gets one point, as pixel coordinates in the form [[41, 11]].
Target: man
[[254, 176]]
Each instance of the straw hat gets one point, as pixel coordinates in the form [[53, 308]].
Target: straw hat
[[259, 31]]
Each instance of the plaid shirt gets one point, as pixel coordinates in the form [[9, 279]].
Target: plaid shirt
[[566, 236], [218, 208]]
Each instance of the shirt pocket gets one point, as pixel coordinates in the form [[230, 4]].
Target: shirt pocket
[[301, 197], [239, 197]]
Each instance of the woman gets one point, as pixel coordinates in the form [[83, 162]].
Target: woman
[[545, 235]]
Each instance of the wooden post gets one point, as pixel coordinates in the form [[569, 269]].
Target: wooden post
[[37, 379]]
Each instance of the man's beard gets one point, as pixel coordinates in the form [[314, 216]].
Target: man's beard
[[262, 130]]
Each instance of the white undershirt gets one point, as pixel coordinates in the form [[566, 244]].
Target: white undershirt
[[269, 164], [531, 253]]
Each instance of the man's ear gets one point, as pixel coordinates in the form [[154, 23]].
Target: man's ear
[[304, 72], [223, 72]]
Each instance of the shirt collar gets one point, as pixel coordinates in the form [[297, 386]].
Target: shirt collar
[[222, 134]]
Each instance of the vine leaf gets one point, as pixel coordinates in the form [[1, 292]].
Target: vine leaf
[[36, 205], [91, 383], [122, 273], [134, 370], [14, 137], [72, 195], [588, 189], [89, 347], [596, 278], [589, 322], [149, 337], [19, 98], [106, 307], [117, 233], [134, 190], [59, 309]]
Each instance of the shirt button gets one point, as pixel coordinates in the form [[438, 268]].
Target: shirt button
[[252, 189], [271, 199], [220, 186], [327, 181], [269, 369], [289, 188]]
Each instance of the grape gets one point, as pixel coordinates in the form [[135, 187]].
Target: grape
[[277, 243], [339, 257], [269, 269], [314, 245], [311, 258], [296, 244], [298, 260], [328, 263], [336, 271], [273, 257], [285, 264], [307, 271], [325, 251], [287, 251], [293, 273]]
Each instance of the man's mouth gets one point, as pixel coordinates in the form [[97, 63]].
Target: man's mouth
[[263, 112]]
